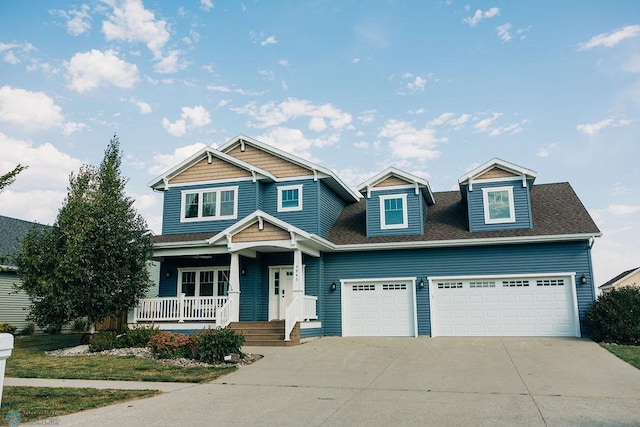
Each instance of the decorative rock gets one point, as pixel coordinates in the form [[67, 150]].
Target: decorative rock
[[232, 358]]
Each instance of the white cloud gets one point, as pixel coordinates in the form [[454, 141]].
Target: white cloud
[[485, 125], [29, 110], [164, 162], [545, 150], [511, 128], [132, 23], [407, 142], [11, 58], [78, 21], [226, 89], [190, 118], [144, 107], [457, 123], [89, 70], [73, 127], [283, 62], [619, 190], [593, 128], [169, 63], [611, 39], [367, 116], [480, 15], [269, 40], [417, 84], [206, 5], [441, 119], [503, 32], [317, 124], [271, 114]]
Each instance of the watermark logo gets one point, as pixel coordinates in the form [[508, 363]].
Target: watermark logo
[[13, 418]]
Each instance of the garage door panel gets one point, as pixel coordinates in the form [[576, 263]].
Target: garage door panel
[[505, 307], [386, 310]]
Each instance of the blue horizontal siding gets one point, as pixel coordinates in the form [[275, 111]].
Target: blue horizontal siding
[[414, 214], [469, 261], [330, 208], [307, 218], [521, 200], [247, 203]]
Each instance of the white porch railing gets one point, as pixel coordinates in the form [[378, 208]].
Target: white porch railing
[[178, 308], [298, 311], [310, 304], [224, 318]]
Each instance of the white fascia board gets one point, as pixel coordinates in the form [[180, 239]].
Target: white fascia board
[[511, 167], [187, 251], [380, 279], [209, 151], [410, 178], [292, 158], [504, 276], [464, 242]]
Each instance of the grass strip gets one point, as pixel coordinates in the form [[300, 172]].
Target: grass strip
[[27, 404], [628, 353]]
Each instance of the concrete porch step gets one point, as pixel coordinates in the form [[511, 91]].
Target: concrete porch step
[[266, 333]]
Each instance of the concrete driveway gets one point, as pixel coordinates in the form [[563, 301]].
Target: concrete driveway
[[403, 381]]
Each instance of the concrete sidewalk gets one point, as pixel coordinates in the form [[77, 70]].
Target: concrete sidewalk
[[402, 381]]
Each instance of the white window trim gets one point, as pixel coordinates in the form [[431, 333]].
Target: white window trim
[[405, 215], [217, 190], [485, 202], [197, 270], [290, 187]]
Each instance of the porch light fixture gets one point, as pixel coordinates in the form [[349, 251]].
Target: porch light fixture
[[583, 280], [421, 283], [243, 272], [167, 274], [334, 286]]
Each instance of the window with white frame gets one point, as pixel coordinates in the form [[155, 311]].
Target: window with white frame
[[393, 211], [203, 281], [290, 198], [498, 205], [209, 204]]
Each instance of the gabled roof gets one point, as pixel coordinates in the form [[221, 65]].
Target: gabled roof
[[332, 180], [620, 277], [527, 174], [410, 179], [558, 215], [12, 231], [161, 181]]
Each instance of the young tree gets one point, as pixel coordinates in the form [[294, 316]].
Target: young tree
[[92, 262], [8, 178]]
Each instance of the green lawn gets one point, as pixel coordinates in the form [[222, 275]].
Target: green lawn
[[29, 361], [628, 353], [28, 404]]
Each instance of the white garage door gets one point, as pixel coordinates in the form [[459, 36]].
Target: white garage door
[[378, 308], [508, 306]]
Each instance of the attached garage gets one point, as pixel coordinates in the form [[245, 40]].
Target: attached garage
[[379, 307], [521, 305]]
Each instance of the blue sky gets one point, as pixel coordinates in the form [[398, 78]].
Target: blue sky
[[434, 88]]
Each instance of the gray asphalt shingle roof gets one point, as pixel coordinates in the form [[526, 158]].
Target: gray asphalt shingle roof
[[12, 231]]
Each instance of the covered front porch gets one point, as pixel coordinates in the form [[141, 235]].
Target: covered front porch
[[256, 273]]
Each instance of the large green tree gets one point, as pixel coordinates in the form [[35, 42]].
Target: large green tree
[[92, 262]]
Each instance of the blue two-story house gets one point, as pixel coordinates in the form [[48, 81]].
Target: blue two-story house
[[252, 234]]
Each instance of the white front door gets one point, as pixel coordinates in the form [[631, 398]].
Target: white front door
[[280, 291]]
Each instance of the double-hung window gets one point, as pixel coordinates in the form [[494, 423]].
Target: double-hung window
[[498, 205], [210, 204], [290, 198], [204, 281], [393, 211]]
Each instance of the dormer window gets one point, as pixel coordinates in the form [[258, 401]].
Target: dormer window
[[498, 205], [393, 211], [290, 198], [209, 204]]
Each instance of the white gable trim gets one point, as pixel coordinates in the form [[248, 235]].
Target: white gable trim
[[502, 164]]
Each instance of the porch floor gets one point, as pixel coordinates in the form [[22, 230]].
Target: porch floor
[[266, 334]]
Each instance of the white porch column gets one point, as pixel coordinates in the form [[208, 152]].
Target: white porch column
[[6, 346], [234, 289], [298, 283]]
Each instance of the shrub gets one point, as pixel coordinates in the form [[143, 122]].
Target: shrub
[[136, 337], [7, 328], [102, 341], [615, 317], [53, 329], [169, 345], [212, 345], [29, 329], [80, 325]]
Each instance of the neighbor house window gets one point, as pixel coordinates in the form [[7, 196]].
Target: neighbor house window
[[498, 205], [290, 198], [203, 281], [210, 204], [393, 211]]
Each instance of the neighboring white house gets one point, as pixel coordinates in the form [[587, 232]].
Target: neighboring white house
[[626, 278]]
